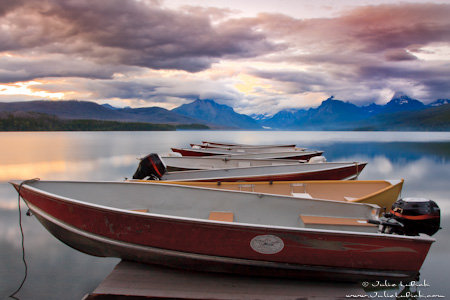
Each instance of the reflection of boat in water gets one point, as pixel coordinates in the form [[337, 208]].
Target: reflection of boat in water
[[224, 231], [152, 166], [380, 192]]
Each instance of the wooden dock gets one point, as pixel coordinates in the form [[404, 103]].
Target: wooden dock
[[131, 280]]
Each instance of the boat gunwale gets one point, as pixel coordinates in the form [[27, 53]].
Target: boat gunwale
[[345, 165], [231, 148], [389, 187], [228, 153], [420, 238], [233, 144], [282, 162], [357, 200]]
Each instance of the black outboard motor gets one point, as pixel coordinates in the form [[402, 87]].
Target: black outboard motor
[[150, 166], [418, 215]]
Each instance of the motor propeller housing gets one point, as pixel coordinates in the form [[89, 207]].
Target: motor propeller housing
[[150, 166], [417, 215]]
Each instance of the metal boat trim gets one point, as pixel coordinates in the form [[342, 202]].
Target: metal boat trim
[[293, 172]]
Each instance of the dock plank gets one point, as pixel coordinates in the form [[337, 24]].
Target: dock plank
[[131, 280]]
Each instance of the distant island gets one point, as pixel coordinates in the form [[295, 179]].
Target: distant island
[[43, 122], [401, 113]]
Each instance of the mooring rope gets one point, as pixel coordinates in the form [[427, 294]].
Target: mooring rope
[[23, 238]]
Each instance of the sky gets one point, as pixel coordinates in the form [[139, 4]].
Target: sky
[[256, 56]]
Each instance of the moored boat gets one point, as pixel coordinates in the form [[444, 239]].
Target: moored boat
[[224, 231], [153, 167], [243, 154], [253, 149], [244, 145], [380, 192], [183, 163]]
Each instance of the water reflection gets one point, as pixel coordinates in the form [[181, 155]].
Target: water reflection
[[63, 169], [422, 159]]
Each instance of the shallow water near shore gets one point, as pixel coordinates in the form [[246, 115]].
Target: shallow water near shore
[[57, 271]]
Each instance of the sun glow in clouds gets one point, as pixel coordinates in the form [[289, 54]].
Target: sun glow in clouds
[[29, 88], [437, 51], [251, 85]]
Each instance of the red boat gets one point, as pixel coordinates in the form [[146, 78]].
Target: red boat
[[224, 231], [206, 143], [152, 166], [247, 148], [303, 155]]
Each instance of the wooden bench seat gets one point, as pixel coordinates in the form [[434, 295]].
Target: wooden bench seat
[[144, 210], [225, 216], [302, 195], [316, 220]]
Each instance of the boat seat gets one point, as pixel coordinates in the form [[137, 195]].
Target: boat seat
[[145, 210], [244, 164], [350, 199], [225, 216], [302, 195], [316, 220]]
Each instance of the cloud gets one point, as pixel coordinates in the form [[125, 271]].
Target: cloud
[[399, 55], [134, 33], [147, 90], [145, 53], [358, 55], [24, 68]]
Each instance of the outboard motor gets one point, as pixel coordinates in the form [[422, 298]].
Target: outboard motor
[[411, 216], [150, 166]]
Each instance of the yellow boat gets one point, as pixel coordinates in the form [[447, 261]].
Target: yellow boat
[[380, 192]]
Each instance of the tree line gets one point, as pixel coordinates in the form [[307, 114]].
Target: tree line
[[43, 122]]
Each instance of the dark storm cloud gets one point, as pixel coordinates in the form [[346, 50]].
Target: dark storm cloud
[[369, 46], [399, 55], [434, 78], [303, 81], [377, 28], [13, 69], [366, 30], [128, 33], [148, 90]]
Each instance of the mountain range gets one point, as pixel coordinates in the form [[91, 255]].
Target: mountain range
[[400, 113], [335, 114], [83, 110], [218, 114]]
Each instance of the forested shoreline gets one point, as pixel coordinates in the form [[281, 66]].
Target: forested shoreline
[[44, 122]]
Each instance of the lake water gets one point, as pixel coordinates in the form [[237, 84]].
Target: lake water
[[59, 272]]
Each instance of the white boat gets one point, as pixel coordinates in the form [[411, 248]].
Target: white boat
[[183, 163], [153, 167], [252, 149], [209, 143], [244, 154]]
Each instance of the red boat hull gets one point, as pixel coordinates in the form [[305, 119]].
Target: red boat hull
[[218, 246], [296, 156], [234, 145]]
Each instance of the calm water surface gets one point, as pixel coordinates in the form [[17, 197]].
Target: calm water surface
[[59, 272]]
